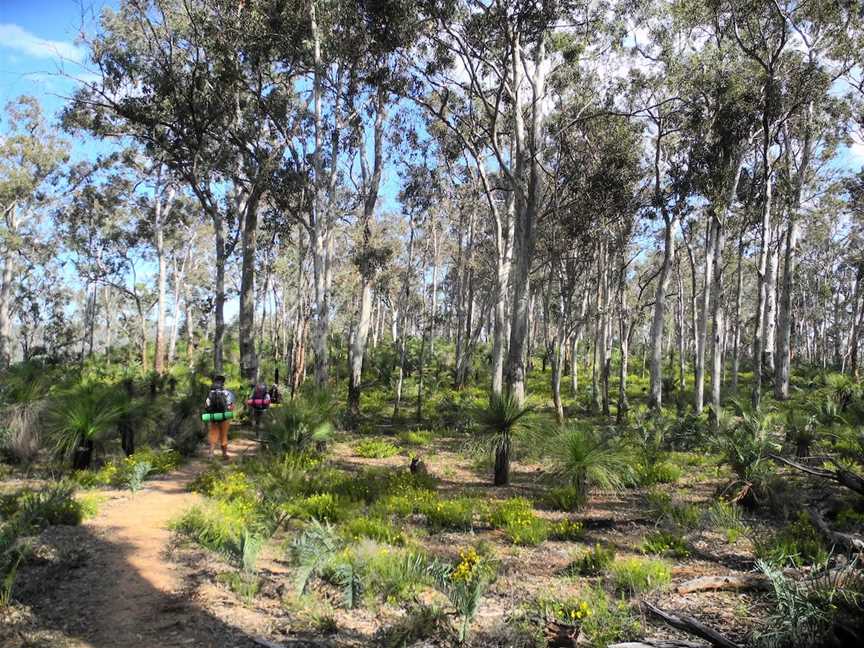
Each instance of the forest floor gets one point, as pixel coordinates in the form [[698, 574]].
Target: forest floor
[[109, 582], [124, 579]]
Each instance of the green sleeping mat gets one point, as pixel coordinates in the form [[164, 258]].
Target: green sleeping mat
[[217, 416]]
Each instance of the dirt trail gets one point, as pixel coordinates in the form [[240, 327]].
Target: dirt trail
[[126, 592]]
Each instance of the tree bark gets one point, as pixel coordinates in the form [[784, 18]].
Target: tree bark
[[249, 246], [655, 361]]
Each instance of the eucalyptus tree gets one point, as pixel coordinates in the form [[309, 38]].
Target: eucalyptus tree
[[184, 81], [31, 154]]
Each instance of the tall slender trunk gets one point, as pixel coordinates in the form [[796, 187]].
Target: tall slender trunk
[[758, 339], [769, 324], [5, 316], [219, 306], [681, 327], [736, 336], [528, 208], [368, 270], [655, 392], [856, 322], [249, 246], [402, 341], [702, 331], [320, 243], [717, 317]]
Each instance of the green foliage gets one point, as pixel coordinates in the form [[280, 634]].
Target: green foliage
[[664, 543], [465, 583], [502, 417], [565, 530], [798, 543], [602, 621], [666, 510], [418, 623], [119, 471], [803, 614], [137, 475], [516, 518], [725, 517], [375, 449], [245, 585], [312, 551], [301, 424], [848, 519], [87, 412], [587, 461], [746, 442], [663, 472], [455, 514], [593, 562], [221, 526], [374, 528], [415, 437], [563, 498], [326, 507], [637, 575]]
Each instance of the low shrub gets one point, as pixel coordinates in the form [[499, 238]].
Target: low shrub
[[663, 508], [664, 543], [375, 449], [849, 519], [798, 543], [322, 506], [419, 622], [516, 518], [637, 575], [219, 526], [374, 528], [593, 562], [245, 585], [663, 472], [465, 583], [602, 621], [450, 515], [565, 530], [564, 498], [725, 517], [416, 437]]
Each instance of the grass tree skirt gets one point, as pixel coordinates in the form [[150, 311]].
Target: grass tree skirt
[[216, 416]]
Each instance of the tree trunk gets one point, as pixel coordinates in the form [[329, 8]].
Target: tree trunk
[[702, 332], [736, 336], [717, 317], [655, 392], [769, 324], [784, 350], [5, 316], [219, 307], [758, 339], [249, 246], [856, 322]]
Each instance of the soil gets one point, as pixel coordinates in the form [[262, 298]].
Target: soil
[[108, 582]]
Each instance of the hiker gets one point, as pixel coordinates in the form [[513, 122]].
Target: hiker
[[219, 401], [259, 401]]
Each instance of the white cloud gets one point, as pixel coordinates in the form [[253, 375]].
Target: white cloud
[[16, 38]]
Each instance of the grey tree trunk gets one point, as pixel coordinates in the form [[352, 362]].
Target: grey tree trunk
[[655, 358], [249, 247], [758, 339], [702, 331]]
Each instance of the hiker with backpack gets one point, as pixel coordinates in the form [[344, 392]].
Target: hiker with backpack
[[219, 408], [259, 401]]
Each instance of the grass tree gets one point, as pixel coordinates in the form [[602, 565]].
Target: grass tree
[[498, 421]]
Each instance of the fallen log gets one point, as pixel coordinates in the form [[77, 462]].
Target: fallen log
[[732, 582], [842, 476], [692, 626], [847, 540]]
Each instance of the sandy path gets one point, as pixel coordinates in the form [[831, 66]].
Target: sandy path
[[127, 593]]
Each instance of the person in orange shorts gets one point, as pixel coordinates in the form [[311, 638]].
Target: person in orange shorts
[[219, 400]]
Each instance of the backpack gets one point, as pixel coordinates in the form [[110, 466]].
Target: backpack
[[260, 391], [217, 401]]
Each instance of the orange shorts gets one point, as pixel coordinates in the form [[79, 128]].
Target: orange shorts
[[219, 432]]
